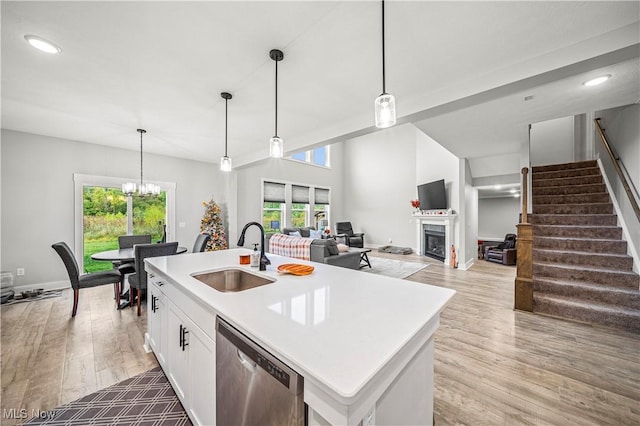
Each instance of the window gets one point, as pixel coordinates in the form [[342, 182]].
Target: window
[[321, 208], [273, 206], [294, 206], [318, 156], [103, 212], [299, 206]]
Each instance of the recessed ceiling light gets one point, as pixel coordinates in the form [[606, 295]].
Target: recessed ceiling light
[[497, 187], [513, 190], [597, 80], [42, 44]]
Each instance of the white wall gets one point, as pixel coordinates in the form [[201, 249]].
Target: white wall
[[468, 250], [497, 217], [38, 196], [434, 162], [379, 184], [623, 132], [249, 179], [552, 142]]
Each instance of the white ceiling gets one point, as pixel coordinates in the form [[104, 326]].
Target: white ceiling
[[459, 71]]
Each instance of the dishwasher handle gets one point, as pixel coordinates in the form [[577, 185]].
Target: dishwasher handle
[[246, 362]]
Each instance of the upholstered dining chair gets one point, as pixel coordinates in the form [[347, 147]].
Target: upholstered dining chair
[[138, 281], [352, 239], [78, 281], [201, 243], [128, 241]]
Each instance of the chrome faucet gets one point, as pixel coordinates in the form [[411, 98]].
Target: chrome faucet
[[264, 261]]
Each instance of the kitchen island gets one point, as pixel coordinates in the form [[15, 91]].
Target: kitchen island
[[362, 342]]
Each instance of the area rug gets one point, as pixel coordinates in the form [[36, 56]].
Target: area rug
[[146, 399], [393, 268]]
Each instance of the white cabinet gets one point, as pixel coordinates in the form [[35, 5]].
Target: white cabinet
[[186, 353], [157, 321]]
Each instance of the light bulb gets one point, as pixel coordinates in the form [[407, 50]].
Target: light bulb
[[225, 164], [129, 188], [276, 147], [385, 110]]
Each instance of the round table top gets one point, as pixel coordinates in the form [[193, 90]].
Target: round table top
[[123, 255]]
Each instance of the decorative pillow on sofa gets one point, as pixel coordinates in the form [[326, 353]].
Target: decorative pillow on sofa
[[306, 231], [332, 247], [343, 248], [295, 234], [315, 234]]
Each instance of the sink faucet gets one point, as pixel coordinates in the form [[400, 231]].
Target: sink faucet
[[264, 261]]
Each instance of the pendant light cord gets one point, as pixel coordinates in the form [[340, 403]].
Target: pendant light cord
[[384, 89], [140, 158], [226, 103], [276, 124]]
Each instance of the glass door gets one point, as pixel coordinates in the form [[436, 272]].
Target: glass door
[[108, 213]]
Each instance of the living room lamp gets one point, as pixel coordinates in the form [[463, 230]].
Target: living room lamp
[[385, 104], [276, 144], [225, 162]]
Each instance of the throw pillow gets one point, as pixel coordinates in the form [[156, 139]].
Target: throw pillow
[[343, 248], [295, 234], [332, 247], [306, 231], [315, 234]]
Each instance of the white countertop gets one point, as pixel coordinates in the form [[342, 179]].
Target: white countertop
[[336, 326]]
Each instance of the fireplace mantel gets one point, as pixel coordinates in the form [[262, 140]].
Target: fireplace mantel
[[436, 217]]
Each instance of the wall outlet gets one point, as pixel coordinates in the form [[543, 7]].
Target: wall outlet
[[182, 225], [20, 272]]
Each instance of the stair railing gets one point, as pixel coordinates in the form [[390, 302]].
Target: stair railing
[[615, 159], [523, 297]]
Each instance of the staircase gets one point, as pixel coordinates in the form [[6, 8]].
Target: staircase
[[580, 267]]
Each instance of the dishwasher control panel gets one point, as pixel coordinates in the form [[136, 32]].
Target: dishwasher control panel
[[278, 373]]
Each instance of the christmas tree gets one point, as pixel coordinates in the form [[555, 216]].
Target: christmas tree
[[211, 225]]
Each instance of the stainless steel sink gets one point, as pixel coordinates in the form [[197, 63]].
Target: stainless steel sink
[[232, 280]]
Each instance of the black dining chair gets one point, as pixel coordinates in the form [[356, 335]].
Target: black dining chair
[[201, 243], [78, 281], [138, 281], [128, 241]]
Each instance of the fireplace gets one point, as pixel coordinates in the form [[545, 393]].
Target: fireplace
[[434, 241]]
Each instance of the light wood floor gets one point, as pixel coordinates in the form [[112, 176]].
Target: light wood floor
[[493, 366]]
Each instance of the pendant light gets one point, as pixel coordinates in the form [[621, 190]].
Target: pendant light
[[385, 104], [225, 162], [129, 188], [276, 144]]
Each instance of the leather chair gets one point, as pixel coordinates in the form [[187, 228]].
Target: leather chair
[[138, 281], [201, 243], [128, 241], [344, 230], [504, 253], [78, 281]]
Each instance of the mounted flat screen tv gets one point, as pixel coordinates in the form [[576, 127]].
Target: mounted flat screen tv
[[432, 195]]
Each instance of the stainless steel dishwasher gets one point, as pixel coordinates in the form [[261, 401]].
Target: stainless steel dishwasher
[[252, 386]]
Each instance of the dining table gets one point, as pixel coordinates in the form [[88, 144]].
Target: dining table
[[123, 255]]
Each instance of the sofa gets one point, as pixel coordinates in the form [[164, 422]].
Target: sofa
[[325, 251]]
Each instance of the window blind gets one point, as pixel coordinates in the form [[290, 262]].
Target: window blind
[[322, 196], [273, 192], [299, 194]]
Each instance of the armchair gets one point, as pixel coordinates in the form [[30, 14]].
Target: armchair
[[344, 230], [504, 253]]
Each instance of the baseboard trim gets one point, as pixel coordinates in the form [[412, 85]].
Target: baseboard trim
[[53, 285]]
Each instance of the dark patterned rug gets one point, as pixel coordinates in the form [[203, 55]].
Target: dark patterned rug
[[146, 399]]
